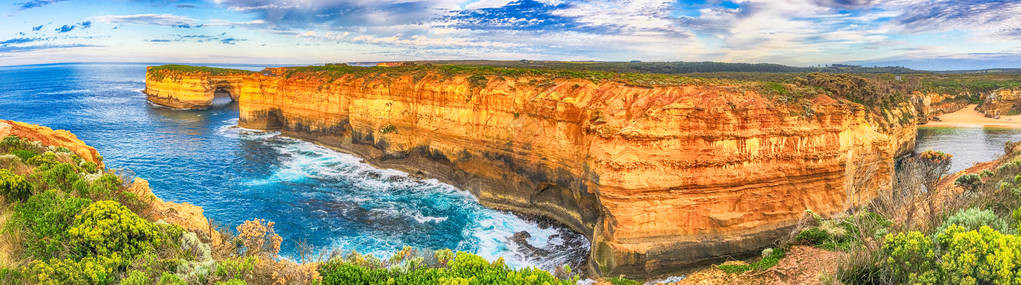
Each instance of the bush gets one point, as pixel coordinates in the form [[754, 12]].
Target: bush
[[623, 281], [969, 182], [464, 268], [911, 257], [1017, 219], [812, 236], [57, 175], [107, 227], [236, 267], [45, 218], [984, 256], [24, 155], [88, 270], [764, 263], [975, 218], [980, 257], [14, 187]]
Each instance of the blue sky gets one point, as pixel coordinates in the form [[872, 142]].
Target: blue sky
[[938, 34]]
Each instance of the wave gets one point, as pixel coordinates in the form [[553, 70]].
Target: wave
[[385, 198]]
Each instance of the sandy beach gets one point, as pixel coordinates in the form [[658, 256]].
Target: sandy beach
[[968, 117]]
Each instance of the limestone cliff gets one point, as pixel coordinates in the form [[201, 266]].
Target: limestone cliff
[[659, 176], [50, 137], [190, 88], [1001, 102]]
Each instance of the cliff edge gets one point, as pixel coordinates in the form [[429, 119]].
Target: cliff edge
[[660, 172]]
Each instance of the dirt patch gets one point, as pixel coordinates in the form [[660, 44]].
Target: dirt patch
[[802, 265]]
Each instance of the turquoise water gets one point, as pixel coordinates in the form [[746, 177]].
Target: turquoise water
[[967, 145], [327, 198]]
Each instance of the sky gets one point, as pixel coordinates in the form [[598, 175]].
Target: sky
[[931, 35]]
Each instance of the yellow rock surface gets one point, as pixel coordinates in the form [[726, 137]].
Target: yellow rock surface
[[50, 137], [659, 178]]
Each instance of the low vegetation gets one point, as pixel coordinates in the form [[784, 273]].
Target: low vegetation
[[68, 222], [160, 72]]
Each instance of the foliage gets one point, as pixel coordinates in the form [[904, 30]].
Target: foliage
[[389, 128], [911, 257], [464, 268], [622, 281], [87, 270], [985, 256], [969, 182], [14, 187], [45, 218], [57, 175], [259, 238], [162, 71], [975, 218], [764, 263], [236, 268], [107, 227]]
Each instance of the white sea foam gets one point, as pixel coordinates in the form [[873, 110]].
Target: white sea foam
[[489, 233]]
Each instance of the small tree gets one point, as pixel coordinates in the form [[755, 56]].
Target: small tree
[[969, 182], [932, 166]]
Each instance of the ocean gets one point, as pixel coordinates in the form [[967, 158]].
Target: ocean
[[314, 195]]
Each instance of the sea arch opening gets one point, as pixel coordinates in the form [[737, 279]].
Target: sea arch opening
[[222, 97]]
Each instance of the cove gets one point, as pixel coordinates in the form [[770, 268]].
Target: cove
[[326, 198]]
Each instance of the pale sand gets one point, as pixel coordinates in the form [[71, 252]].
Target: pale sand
[[968, 117]]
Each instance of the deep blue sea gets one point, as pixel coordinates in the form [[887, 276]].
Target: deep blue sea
[[326, 198]]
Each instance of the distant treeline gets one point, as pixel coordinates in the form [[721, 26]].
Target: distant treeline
[[677, 67]]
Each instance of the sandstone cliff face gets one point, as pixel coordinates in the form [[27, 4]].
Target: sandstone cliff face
[[50, 137], [1001, 102], [188, 90], [658, 177]]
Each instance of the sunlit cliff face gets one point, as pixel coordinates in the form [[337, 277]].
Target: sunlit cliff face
[[658, 177]]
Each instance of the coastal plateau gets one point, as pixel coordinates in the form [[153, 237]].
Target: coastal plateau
[[660, 172]]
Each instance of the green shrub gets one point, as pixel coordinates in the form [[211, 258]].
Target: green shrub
[[765, 263], [348, 273], [45, 218], [11, 276], [969, 182], [11, 142], [135, 277], [45, 159], [57, 175], [107, 227], [24, 155], [980, 257], [986, 173], [464, 268], [389, 128], [1017, 219], [88, 270], [236, 267], [622, 281], [911, 257], [812, 236], [14, 187], [170, 279], [232, 282], [89, 167], [975, 218]]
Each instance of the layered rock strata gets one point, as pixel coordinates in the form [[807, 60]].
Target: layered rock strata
[[189, 90], [659, 178], [1001, 102]]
